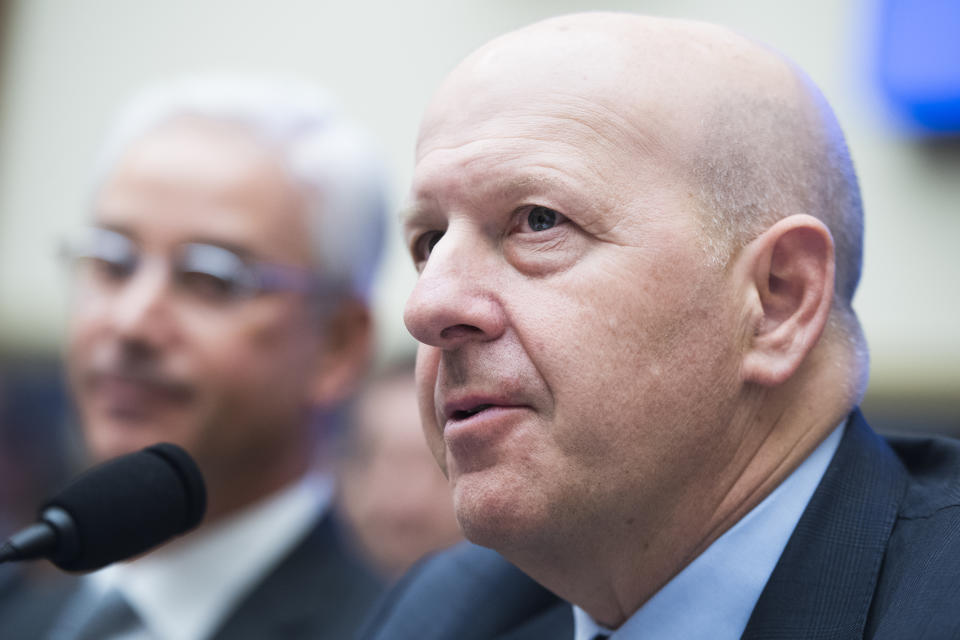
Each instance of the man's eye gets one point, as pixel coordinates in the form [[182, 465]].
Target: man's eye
[[424, 244], [107, 270], [540, 218], [213, 273], [208, 286], [102, 255]]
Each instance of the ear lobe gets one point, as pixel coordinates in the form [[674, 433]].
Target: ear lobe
[[345, 352], [792, 274]]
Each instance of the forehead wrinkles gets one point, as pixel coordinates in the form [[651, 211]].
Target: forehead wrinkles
[[573, 139], [482, 110], [487, 104]]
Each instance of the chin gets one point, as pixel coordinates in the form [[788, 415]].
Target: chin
[[500, 510], [107, 440]]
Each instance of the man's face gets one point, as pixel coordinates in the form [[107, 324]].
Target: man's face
[[579, 355], [155, 356]]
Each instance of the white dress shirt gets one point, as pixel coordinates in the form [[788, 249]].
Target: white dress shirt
[[715, 594], [185, 590]]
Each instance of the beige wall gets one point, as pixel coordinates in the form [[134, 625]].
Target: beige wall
[[66, 65]]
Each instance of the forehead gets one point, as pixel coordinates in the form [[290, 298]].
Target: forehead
[[575, 156], [192, 180], [522, 115]]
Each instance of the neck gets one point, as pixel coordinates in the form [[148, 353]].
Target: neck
[[231, 492], [612, 578]]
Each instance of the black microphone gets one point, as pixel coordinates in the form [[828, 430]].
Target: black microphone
[[116, 510]]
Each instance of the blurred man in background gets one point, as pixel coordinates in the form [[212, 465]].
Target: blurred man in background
[[390, 492], [220, 302]]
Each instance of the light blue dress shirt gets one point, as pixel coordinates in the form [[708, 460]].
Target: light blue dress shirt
[[715, 594]]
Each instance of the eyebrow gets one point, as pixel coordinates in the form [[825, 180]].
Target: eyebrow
[[242, 252], [524, 183], [510, 188]]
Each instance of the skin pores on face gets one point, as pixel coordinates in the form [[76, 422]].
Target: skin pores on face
[[231, 385], [579, 367]]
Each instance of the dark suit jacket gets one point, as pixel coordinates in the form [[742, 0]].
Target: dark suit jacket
[[318, 591], [876, 554]]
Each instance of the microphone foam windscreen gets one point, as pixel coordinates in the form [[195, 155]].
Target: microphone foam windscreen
[[131, 504]]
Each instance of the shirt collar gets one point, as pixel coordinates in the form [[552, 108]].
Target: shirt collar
[[202, 576], [715, 594]]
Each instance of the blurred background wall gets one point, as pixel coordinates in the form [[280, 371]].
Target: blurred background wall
[[65, 65]]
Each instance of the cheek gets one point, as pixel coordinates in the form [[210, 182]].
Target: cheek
[[266, 364], [630, 364], [85, 335], [254, 391], [428, 362], [84, 324]]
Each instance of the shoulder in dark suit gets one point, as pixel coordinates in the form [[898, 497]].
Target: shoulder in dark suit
[[318, 591], [468, 593], [875, 555], [31, 602]]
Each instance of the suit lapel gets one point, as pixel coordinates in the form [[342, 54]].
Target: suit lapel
[[823, 584], [318, 591]]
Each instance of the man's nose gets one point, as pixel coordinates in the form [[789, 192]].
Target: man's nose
[[141, 310], [456, 300]]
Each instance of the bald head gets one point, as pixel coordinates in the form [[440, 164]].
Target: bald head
[[751, 137]]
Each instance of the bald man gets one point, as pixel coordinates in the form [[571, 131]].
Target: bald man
[[638, 241]]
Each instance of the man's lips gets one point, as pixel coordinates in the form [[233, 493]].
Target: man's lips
[[463, 414], [473, 430], [135, 392], [468, 407]]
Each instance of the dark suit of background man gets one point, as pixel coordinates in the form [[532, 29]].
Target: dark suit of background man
[[220, 302], [638, 241]]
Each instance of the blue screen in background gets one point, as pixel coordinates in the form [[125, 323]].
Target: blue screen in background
[[918, 62]]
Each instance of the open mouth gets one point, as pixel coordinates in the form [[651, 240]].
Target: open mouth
[[467, 413]]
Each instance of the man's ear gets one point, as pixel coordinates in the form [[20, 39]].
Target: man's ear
[[789, 270], [345, 352]]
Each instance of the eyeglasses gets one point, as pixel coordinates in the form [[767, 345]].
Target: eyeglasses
[[106, 259]]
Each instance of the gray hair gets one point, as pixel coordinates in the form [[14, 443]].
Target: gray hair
[[336, 164], [763, 159]]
